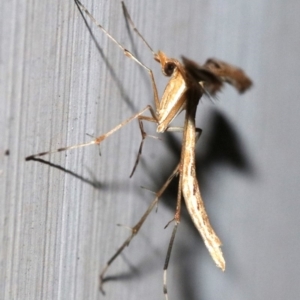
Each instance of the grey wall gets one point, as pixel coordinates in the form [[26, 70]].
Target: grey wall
[[58, 226]]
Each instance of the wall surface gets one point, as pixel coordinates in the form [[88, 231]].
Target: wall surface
[[59, 82]]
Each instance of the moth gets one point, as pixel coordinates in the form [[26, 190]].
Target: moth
[[188, 82]]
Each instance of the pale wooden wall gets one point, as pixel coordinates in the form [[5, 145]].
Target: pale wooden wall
[[57, 230]]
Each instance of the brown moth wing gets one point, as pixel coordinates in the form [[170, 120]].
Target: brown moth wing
[[212, 82], [229, 73], [214, 72]]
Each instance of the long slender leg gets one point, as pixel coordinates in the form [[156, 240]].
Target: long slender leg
[[177, 220], [126, 13], [168, 259], [176, 216], [125, 51], [81, 7], [138, 226], [144, 134], [98, 139], [177, 213]]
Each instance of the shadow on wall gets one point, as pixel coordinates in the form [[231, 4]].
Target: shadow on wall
[[223, 147]]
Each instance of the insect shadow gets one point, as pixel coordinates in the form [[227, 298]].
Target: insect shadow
[[114, 75], [123, 95], [94, 183], [223, 148]]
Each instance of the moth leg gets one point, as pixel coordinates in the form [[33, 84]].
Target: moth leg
[[128, 18], [170, 247], [144, 135], [176, 217], [168, 259], [125, 51], [137, 227], [98, 139]]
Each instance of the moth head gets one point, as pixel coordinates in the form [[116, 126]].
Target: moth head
[[168, 65]]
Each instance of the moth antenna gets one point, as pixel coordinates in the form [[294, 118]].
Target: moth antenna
[[126, 13]]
